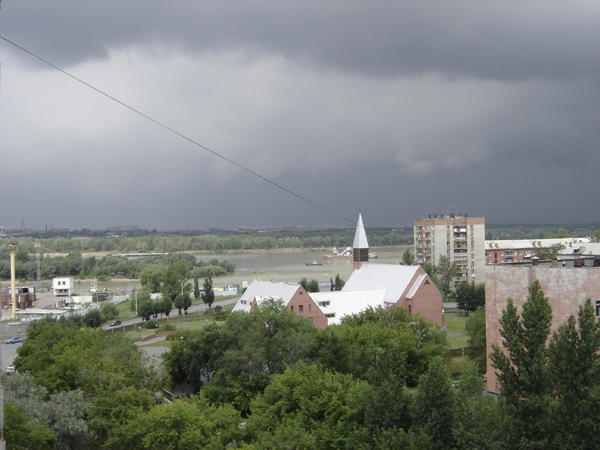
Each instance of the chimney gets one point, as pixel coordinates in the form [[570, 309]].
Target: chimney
[[534, 261]]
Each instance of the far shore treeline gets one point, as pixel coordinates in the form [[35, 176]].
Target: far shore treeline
[[81, 242], [75, 265]]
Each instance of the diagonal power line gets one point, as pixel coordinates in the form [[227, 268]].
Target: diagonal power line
[[181, 135]]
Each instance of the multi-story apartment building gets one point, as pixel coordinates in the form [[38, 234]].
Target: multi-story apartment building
[[457, 237], [522, 250]]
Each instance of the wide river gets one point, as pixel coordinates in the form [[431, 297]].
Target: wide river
[[276, 265]]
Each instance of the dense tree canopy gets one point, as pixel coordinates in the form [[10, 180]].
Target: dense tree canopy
[[270, 379], [470, 297]]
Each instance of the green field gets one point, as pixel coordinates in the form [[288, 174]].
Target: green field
[[454, 324], [180, 325]]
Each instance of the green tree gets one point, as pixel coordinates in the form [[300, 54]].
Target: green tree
[[208, 295], [388, 402], [352, 346], [21, 434], [470, 297], [181, 301], [109, 311], [408, 258], [93, 319], [147, 309], [63, 413], [233, 363], [307, 404], [446, 271], [175, 280], [434, 405], [312, 286], [338, 284], [150, 278], [575, 373], [196, 288], [476, 329], [523, 371], [480, 423], [561, 234], [549, 252], [304, 283], [165, 306], [185, 424]]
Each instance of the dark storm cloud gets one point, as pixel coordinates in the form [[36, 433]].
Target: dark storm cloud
[[487, 39], [398, 108]]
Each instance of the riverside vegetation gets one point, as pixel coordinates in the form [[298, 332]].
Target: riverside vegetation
[[144, 241]]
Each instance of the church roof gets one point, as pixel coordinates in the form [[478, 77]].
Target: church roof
[[360, 238], [337, 304], [394, 278], [261, 289]]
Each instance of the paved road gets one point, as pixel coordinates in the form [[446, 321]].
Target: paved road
[[194, 309], [9, 353]]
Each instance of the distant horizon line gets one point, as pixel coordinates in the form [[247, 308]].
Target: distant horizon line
[[290, 228]]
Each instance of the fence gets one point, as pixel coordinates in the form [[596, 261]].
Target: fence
[[463, 351]]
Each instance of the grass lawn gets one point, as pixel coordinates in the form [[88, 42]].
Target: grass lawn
[[125, 312], [180, 325], [454, 324]]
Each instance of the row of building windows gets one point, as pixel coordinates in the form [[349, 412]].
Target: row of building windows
[[301, 308]]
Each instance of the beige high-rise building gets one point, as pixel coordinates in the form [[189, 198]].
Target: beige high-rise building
[[458, 237]]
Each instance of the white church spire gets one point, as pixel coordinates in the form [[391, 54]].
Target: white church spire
[[360, 238]]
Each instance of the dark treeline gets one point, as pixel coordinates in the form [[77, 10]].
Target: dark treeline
[[499, 232], [152, 242], [215, 242], [223, 241], [75, 265]]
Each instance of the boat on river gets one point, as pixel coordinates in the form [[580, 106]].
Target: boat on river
[[346, 254], [313, 263]]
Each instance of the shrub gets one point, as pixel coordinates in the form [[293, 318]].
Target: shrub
[[110, 311], [167, 327], [221, 315], [151, 324]]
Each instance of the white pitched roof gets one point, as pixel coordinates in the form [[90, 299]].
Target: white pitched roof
[[516, 244], [391, 277], [588, 248], [347, 303], [260, 289], [360, 237]]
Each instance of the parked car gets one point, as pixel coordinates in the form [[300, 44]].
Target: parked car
[[14, 341], [10, 369], [115, 323]]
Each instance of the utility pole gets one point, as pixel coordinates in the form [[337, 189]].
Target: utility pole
[[12, 248], [38, 278], [2, 441]]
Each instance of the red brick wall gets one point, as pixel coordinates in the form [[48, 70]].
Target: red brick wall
[[427, 301], [566, 289], [309, 308]]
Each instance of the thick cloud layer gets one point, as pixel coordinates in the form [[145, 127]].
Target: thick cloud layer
[[401, 109]]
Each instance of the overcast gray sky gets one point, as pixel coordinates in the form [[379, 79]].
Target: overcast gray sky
[[399, 109]]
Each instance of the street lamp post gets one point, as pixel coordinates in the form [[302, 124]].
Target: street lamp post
[[184, 280]]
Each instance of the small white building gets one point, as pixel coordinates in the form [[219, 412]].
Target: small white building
[[63, 286]]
